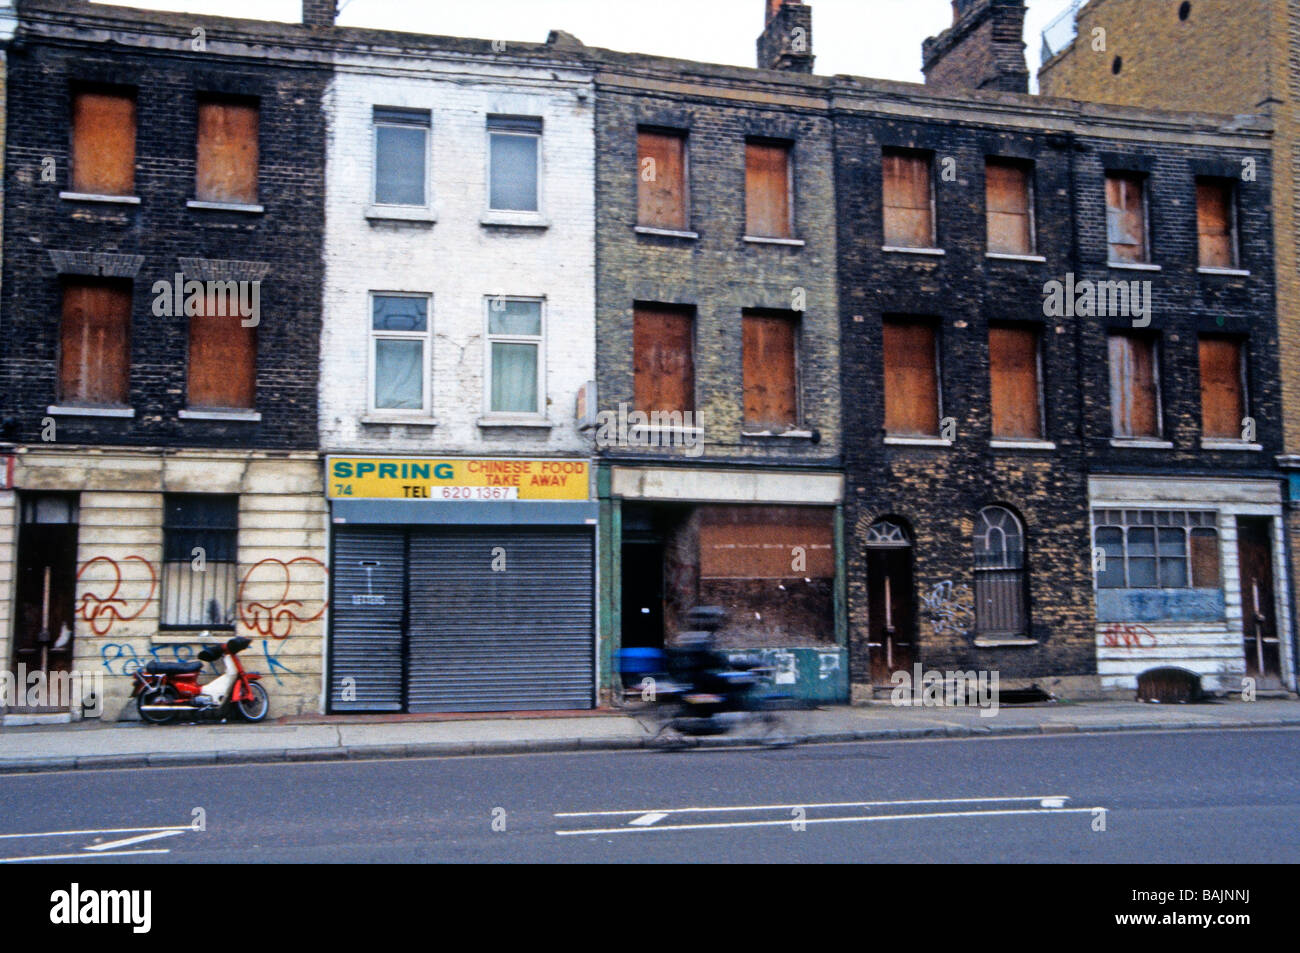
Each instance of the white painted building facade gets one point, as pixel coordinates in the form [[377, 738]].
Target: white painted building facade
[[458, 331]]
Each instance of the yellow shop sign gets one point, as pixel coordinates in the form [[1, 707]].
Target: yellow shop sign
[[405, 478]]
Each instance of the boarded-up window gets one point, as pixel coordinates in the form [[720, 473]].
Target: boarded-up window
[[1223, 392], [767, 189], [103, 142], [227, 151], [1015, 386], [1134, 401], [95, 343], [1126, 217], [663, 361], [909, 211], [1205, 558], [223, 358], [661, 178], [1009, 204], [911, 378], [1216, 223], [746, 542], [771, 375]]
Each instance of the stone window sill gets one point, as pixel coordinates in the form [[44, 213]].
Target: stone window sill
[[1239, 272], [249, 416], [917, 441], [515, 219], [995, 643], [1142, 443], [1005, 256], [94, 197], [401, 213], [492, 421], [795, 434], [665, 232], [225, 206], [766, 240], [1133, 266], [71, 410], [1009, 444], [898, 249], [1210, 443], [399, 420]]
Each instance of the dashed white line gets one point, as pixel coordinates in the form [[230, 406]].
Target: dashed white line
[[82, 856], [805, 804], [139, 839]]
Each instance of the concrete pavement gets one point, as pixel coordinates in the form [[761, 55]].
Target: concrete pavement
[[90, 745]]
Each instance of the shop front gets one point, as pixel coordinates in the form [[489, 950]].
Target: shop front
[[461, 584], [764, 546]]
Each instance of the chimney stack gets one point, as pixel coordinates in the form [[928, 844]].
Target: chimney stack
[[983, 49], [319, 13], [786, 42]]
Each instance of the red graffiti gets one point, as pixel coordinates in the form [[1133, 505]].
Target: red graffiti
[[1128, 636], [105, 611], [277, 619]]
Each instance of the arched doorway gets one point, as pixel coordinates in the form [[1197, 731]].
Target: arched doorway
[[891, 607]]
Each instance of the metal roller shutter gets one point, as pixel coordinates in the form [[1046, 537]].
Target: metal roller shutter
[[517, 639], [367, 612]]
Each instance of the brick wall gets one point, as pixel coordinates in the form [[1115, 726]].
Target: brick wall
[[157, 57], [719, 273]]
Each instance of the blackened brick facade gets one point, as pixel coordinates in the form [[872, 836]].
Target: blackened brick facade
[[62, 45]]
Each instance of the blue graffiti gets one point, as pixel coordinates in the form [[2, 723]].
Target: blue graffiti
[[131, 662], [273, 661]]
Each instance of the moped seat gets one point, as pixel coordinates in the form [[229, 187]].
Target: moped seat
[[173, 668]]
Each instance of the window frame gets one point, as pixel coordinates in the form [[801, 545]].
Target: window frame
[[796, 320], [425, 336], [427, 126], [689, 313], [1234, 217], [1242, 343], [928, 156], [538, 138], [489, 339], [685, 136], [936, 328], [1190, 521], [251, 331], [1157, 358], [129, 92], [206, 97], [1030, 168], [1039, 384], [1142, 179], [124, 286], [1012, 562], [787, 146], [233, 579]]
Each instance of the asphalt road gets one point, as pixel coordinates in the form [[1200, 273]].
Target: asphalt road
[[1186, 796]]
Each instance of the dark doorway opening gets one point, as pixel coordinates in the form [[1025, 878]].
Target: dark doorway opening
[[47, 584], [643, 594]]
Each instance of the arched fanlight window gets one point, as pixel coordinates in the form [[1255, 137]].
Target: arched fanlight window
[[1000, 599]]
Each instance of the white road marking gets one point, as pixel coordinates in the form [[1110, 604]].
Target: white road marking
[[107, 830], [82, 856], [645, 820], [141, 838], [805, 804], [834, 820]]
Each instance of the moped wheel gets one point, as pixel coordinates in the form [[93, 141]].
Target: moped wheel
[[255, 708], [157, 696]]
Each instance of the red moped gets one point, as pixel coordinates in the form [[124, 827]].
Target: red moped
[[165, 690]]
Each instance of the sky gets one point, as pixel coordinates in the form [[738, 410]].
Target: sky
[[876, 38]]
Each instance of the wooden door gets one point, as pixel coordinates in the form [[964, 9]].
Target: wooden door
[[1258, 609], [46, 586], [891, 612]]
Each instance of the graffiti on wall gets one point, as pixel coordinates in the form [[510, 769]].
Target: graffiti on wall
[[276, 619], [101, 606], [1127, 635], [951, 608]]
